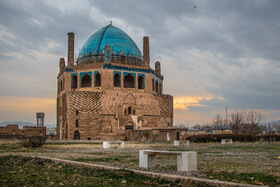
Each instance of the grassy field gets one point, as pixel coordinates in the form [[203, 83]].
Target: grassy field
[[27, 171], [251, 163]]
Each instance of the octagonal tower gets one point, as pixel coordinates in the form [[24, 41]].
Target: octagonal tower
[[110, 89]]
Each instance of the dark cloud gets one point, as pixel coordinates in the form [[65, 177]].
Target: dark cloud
[[220, 49]]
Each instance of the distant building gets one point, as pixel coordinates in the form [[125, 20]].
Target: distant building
[[12, 130], [51, 131], [168, 134]]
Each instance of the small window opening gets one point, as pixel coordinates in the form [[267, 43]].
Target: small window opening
[[129, 110], [77, 123]]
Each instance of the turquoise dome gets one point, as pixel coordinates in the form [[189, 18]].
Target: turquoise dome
[[120, 43]]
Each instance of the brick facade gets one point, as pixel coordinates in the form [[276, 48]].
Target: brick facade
[[103, 97]]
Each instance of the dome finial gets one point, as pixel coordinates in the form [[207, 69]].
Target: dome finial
[[111, 22]]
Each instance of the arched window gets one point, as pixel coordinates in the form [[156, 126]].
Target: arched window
[[117, 80], [76, 135], [156, 86], [140, 82], [129, 126], [86, 81], [153, 82], [97, 80], [74, 82], [77, 123], [129, 81]]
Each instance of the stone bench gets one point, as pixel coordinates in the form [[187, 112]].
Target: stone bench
[[186, 161], [185, 142], [224, 141], [106, 145]]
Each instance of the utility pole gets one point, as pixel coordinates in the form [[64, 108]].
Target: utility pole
[[226, 117]]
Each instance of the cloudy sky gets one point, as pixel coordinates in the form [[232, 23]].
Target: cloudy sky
[[222, 53]]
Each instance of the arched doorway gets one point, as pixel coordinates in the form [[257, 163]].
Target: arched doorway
[[117, 80], [74, 82], [140, 82], [76, 135], [86, 81], [129, 81], [97, 80], [129, 126]]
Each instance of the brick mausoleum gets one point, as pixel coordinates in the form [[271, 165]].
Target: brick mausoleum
[[110, 90]]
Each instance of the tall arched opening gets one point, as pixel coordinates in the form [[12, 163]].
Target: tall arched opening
[[97, 80], [74, 82], [129, 81], [86, 81], [117, 80], [76, 135], [140, 82], [156, 86]]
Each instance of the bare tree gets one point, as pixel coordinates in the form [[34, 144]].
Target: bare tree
[[253, 119], [246, 122], [218, 120], [237, 121]]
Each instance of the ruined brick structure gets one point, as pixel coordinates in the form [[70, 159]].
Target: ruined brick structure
[[12, 130], [110, 89]]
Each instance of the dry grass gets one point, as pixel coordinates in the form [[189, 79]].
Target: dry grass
[[213, 158]]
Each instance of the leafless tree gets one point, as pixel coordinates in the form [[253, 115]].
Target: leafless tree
[[237, 121], [246, 122], [218, 120], [253, 119]]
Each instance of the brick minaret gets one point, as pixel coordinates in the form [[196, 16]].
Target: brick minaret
[[146, 52], [61, 64], [71, 36]]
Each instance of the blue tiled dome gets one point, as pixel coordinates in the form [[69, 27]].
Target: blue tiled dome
[[120, 43]]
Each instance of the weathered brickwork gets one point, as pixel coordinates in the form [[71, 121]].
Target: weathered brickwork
[[104, 94], [13, 130]]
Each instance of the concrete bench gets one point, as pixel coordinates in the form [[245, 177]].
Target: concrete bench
[[184, 142], [186, 161], [106, 145], [224, 141]]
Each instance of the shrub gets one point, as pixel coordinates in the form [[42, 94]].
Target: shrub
[[33, 141]]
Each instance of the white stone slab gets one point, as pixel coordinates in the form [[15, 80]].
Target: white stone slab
[[186, 142], [106, 145], [186, 161], [224, 141], [176, 143]]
